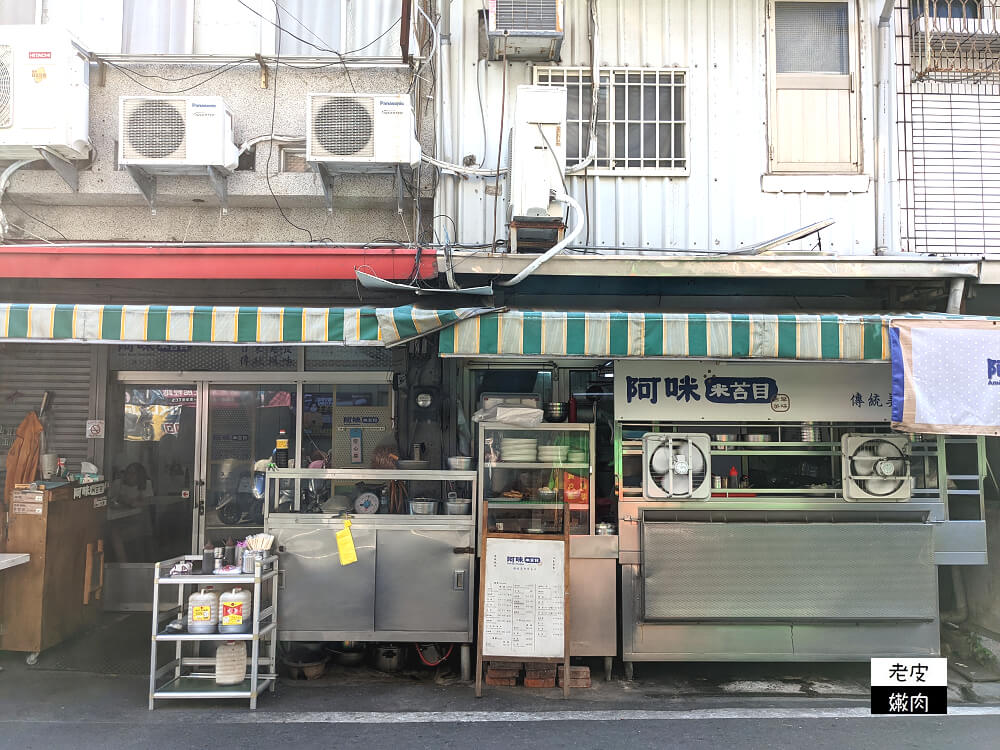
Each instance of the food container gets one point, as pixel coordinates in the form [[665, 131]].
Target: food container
[[203, 612], [757, 438], [604, 529], [547, 494], [423, 506], [459, 463], [460, 507], [235, 611]]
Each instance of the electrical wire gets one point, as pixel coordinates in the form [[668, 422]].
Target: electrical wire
[[420, 654], [215, 74], [270, 149], [482, 113], [34, 219], [135, 72]]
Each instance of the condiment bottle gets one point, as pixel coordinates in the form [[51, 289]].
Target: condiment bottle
[[230, 552], [208, 559], [281, 450], [734, 477], [572, 408]]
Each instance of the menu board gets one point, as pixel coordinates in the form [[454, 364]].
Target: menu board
[[523, 599]]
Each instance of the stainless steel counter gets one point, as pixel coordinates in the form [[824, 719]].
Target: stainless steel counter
[[413, 580]]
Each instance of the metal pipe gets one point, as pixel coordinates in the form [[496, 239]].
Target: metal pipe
[[595, 86], [956, 295]]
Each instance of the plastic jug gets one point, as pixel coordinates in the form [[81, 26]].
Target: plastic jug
[[203, 612], [235, 611]]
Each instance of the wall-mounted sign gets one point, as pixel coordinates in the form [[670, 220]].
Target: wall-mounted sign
[[95, 429], [695, 390]]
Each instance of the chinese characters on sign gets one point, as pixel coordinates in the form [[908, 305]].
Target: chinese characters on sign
[[909, 686], [718, 390]]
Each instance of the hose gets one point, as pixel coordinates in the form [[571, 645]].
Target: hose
[[426, 663], [558, 247]]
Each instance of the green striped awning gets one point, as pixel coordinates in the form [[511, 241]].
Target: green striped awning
[[179, 324], [618, 334]]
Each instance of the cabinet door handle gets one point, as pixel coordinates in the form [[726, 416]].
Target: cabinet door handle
[[463, 550]]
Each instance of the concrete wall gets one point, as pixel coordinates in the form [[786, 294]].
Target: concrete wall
[[109, 205]]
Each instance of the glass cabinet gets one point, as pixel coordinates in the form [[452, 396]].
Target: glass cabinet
[[529, 474]]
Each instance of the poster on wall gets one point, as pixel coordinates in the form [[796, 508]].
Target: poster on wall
[[524, 598], [708, 390], [946, 376]]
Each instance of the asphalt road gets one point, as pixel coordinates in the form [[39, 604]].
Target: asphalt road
[[438, 733]]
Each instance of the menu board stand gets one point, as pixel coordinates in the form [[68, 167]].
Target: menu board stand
[[523, 582]]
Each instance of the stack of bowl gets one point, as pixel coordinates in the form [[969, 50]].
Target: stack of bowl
[[553, 453], [522, 450], [577, 457]]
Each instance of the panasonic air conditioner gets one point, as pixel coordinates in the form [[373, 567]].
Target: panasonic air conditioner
[[360, 132], [172, 135], [875, 468], [44, 93], [525, 29], [676, 466]]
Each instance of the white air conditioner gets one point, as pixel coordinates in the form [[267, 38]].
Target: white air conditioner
[[172, 135], [676, 466], [44, 93], [875, 468], [525, 29], [538, 152], [360, 132]]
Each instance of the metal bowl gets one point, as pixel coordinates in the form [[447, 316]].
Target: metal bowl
[[410, 464], [423, 506], [459, 463], [458, 507], [547, 494], [555, 411]]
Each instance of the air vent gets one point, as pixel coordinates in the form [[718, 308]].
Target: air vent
[[6, 87], [343, 126], [154, 129], [527, 15]]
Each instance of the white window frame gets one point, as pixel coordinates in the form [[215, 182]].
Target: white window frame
[[815, 81], [607, 75]]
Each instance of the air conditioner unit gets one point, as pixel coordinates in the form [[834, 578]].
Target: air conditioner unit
[[525, 29], [360, 132], [170, 135], [44, 93], [676, 466], [538, 152], [875, 468]]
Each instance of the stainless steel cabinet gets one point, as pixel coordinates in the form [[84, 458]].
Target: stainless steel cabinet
[[424, 578], [324, 590]]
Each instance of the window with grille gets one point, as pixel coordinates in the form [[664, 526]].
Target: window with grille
[[641, 117]]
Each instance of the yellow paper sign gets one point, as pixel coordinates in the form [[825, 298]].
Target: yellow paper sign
[[345, 545]]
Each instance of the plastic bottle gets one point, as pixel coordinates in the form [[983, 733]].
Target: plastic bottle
[[207, 559], [281, 450], [572, 408], [235, 612], [203, 611], [734, 477]]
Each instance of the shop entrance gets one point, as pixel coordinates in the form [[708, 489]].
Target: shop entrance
[[181, 450]]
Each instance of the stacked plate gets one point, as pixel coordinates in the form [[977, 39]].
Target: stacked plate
[[520, 450], [553, 453], [577, 457]]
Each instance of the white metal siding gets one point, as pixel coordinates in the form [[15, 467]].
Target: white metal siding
[[26, 372], [721, 205]]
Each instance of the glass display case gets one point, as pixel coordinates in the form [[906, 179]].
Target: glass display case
[[529, 474]]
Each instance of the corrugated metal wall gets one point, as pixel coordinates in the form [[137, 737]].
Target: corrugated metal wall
[[721, 205], [67, 372]]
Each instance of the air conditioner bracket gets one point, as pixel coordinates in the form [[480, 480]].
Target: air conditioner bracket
[[63, 167], [219, 180], [147, 185], [326, 179]]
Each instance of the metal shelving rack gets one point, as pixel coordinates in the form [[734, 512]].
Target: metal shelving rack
[[175, 679]]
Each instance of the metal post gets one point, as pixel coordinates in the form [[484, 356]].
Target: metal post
[[152, 642]]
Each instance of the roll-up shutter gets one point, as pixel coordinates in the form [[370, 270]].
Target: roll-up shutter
[[26, 372]]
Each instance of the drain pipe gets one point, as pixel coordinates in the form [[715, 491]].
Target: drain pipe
[[558, 247], [961, 612], [885, 209], [4, 180]]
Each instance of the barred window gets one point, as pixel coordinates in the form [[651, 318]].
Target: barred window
[[641, 117]]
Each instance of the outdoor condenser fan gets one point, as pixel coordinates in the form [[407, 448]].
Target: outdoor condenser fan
[[875, 468], [676, 465]]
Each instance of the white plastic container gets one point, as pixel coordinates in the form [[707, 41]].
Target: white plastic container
[[235, 611], [203, 612]]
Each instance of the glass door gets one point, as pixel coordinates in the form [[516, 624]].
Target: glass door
[[151, 460], [243, 425]]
